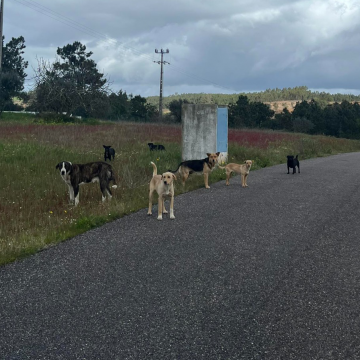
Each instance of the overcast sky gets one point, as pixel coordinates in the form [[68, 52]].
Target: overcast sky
[[227, 46]]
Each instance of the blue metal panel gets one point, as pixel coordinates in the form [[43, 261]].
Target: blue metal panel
[[222, 130]]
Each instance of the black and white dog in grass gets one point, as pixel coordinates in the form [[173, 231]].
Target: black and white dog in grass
[[75, 175]]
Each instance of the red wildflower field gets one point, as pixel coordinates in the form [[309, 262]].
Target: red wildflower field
[[259, 139], [120, 133], [87, 135]]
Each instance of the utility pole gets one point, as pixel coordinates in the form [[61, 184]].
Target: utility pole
[[162, 52], [1, 30]]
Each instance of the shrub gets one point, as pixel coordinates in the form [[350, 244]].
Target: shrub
[[56, 118], [51, 118], [303, 125]]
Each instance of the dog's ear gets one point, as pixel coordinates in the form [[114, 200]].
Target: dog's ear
[[245, 161], [104, 146], [218, 153], [174, 177], [208, 154], [58, 166]]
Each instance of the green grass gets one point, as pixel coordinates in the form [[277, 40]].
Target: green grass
[[16, 117], [34, 206]]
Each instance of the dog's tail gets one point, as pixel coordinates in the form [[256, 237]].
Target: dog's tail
[[174, 172], [155, 168], [296, 157]]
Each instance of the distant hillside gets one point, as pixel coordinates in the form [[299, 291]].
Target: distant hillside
[[278, 106], [278, 98]]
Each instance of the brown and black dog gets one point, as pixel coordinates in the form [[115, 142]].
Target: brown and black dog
[[205, 166]]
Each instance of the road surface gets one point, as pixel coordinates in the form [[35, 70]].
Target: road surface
[[267, 272]]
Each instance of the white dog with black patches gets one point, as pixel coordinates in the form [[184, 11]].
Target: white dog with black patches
[[75, 175]]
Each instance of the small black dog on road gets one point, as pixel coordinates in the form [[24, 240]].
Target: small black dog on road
[[292, 162], [109, 152], [153, 147]]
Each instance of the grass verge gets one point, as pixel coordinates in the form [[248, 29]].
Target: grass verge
[[34, 209]]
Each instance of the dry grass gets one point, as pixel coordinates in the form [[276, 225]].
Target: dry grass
[[34, 209]]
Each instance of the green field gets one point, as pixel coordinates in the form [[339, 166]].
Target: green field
[[34, 201]]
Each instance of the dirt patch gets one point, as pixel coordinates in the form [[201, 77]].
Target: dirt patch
[[278, 106]]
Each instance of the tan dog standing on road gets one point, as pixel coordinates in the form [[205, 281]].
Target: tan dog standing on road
[[164, 186], [241, 169]]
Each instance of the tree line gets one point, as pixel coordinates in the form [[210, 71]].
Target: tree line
[[311, 117], [335, 119], [12, 73], [70, 85], [298, 93], [73, 85]]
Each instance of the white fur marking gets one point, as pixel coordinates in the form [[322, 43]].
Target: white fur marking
[[64, 175], [71, 193], [109, 195]]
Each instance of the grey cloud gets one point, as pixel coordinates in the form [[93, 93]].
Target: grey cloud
[[215, 46]]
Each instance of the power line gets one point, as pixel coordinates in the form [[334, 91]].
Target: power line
[[75, 25], [63, 19]]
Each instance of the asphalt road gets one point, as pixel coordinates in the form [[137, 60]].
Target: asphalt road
[[267, 272]]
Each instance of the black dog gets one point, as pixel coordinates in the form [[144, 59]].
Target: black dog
[[152, 147], [109, 152], [292, 162]]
